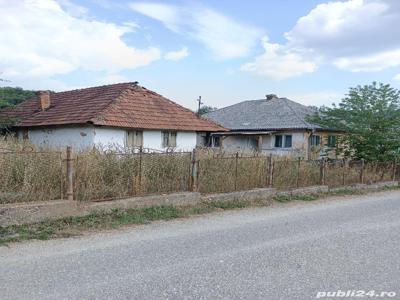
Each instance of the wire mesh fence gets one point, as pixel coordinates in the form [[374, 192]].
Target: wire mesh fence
[[227, 174], [309, 173], [115, 175], [30, 176], [379, 171], [216, 175], [99, 175], [284, 173], [165, 173]]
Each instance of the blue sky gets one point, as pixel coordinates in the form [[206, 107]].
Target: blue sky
[[226, 51]]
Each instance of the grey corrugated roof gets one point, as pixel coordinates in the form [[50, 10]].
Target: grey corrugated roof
[[277, 113]]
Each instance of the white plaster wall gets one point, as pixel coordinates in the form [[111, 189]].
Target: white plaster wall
[[152, 139], [106, 137], [86, 137], [58, 138], [185, 141]]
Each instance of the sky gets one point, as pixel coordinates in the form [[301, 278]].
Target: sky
[[310, 51]]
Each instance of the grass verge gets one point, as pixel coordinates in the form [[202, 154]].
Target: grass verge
[[72, 226]]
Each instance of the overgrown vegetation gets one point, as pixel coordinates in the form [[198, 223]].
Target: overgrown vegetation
[[104, 175], [28, 175], [72, 226], [370, 117], [301, 197]]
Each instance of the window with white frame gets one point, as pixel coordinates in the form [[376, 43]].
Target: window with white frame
[[134, 138], [169, 139], [283, 141]]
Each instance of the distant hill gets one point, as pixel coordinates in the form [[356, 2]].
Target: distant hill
[[11, 96]]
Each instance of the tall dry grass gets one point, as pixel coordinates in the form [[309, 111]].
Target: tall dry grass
[[109, 175], [28, 175]]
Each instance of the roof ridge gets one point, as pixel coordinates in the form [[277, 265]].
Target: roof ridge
[[294, 111], [187, 109], [97, 87], [107, 106], [230, 106], [181, 106]]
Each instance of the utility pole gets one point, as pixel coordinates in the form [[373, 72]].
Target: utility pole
[[200, 103]]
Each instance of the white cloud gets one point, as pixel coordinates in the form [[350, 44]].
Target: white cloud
[[397, 77], [278, 63], [72, 8], [39, 40], [317, 98], [346, 28], [223, 36], [177, 55], [369, 63], [353, 35]]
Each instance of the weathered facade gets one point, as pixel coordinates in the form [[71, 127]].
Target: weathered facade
[[86, 137], [273, 125], [122, 115]]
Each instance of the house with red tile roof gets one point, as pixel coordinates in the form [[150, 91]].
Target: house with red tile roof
[[124, 115]]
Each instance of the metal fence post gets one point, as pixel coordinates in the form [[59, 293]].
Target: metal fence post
[[194, 174], [362, 171], [236, 169], [70, 175], [322, 172]]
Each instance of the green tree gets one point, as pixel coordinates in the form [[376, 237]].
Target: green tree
[[370, 117], [10, 96], [206, 109]]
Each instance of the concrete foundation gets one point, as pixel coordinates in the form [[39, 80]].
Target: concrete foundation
[[25, 213]]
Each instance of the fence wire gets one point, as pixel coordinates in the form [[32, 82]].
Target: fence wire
[[111, 175], [30, 176], [227, 174], [379, 171], [99, 175]]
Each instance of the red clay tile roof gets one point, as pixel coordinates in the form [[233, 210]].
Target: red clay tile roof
[[121, 105]]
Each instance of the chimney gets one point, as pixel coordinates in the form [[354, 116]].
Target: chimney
[[271, 97], [44, 98]]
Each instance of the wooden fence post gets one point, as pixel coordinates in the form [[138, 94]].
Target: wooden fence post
[[194, 171], [322, 172], [343, 172], [70, 175], [298, 172], [362, 171], [270, 171], [236, 169], [140, 189], [394, 169]]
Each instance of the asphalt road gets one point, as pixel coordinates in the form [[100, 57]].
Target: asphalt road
[[288, 252]]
